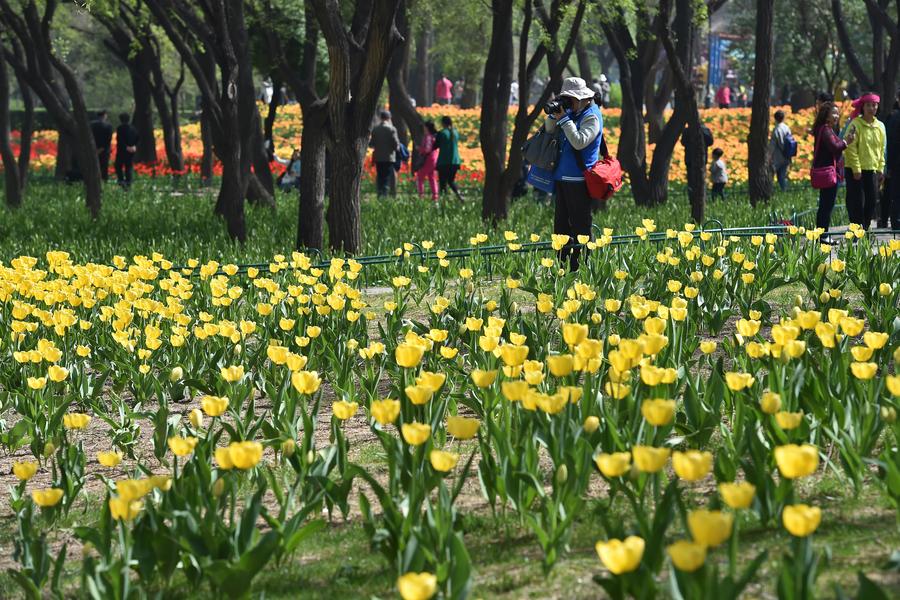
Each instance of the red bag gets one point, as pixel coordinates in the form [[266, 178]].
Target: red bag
[[604, 178]]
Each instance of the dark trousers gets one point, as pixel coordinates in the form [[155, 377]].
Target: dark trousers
[[893, 196], [718, 191], [384, 177], [827, 197], [572, 217], [862, 195], [125, 168], [447, 178], [103, 157]]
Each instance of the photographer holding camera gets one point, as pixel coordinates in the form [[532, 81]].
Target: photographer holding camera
[[578, 117]]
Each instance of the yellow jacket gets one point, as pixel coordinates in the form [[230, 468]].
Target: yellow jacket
[[866, 153]]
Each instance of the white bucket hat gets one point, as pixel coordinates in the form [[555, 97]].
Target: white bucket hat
[[575, 87]]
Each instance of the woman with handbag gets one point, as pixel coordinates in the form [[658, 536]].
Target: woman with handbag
[[826, 158], [579, 119]]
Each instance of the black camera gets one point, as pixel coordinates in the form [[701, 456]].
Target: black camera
[[563, 103]]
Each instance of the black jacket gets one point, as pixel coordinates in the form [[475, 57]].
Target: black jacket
[[892, 130], [102, 132], [126, 135]]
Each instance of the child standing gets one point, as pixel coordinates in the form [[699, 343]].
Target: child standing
[[719, 174]]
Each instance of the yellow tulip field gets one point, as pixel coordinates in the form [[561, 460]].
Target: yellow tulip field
[[660, 423]]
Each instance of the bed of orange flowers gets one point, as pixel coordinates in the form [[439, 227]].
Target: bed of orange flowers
[[729, 128]]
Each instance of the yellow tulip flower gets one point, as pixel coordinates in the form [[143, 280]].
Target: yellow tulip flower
[[692, 465], [658, 412], [649, 459], [686, 555], [24, 470], [306, 382], [737, 495], [797, 461], [417, 586], [443, 461], [123, 509], [621, 556], [47, 497], [57, 373], [789, 420], [232, 373], [343, 410], [710, 527], [76, 420], [462, 428], [864, 370], [615, 464], [409, 355], [109, 458], [182, 446], [483, 379], [738, 381], [801, 520], [214, 406], [415, 434]]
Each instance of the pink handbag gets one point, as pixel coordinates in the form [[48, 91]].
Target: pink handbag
[[822, 178]]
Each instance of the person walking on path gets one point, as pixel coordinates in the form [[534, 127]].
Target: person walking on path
[[864, 159], [448, 160], [581, 124], [890, 198], [102, 132], [718, 173], [127, 138], [443, 90], [780, 146], [427, 171], [827, 152], [384, 143], [723, 96]]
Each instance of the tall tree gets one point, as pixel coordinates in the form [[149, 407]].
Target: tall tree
[[134, 41], [135, 57], [680, 56], [358, 58], [884, 17], [29, 51], [501, 171], [759, 175], [13, 185], [404, 114], [216, 31], [294, 60], [635, 54]]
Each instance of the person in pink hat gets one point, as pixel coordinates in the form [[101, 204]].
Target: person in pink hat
[[864, 160]]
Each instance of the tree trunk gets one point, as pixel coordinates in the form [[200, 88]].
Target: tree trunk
[[26, 132], [584, 60], [759, 174], [142, 118], [265, 192], [64, 155], [10, 167], [402, 110], [423, 71], [269, 123], [208, 157], [343, 209], [312, 183], [230, 201], [498, 75]]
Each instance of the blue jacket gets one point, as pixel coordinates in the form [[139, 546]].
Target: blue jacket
[[585, 130]]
